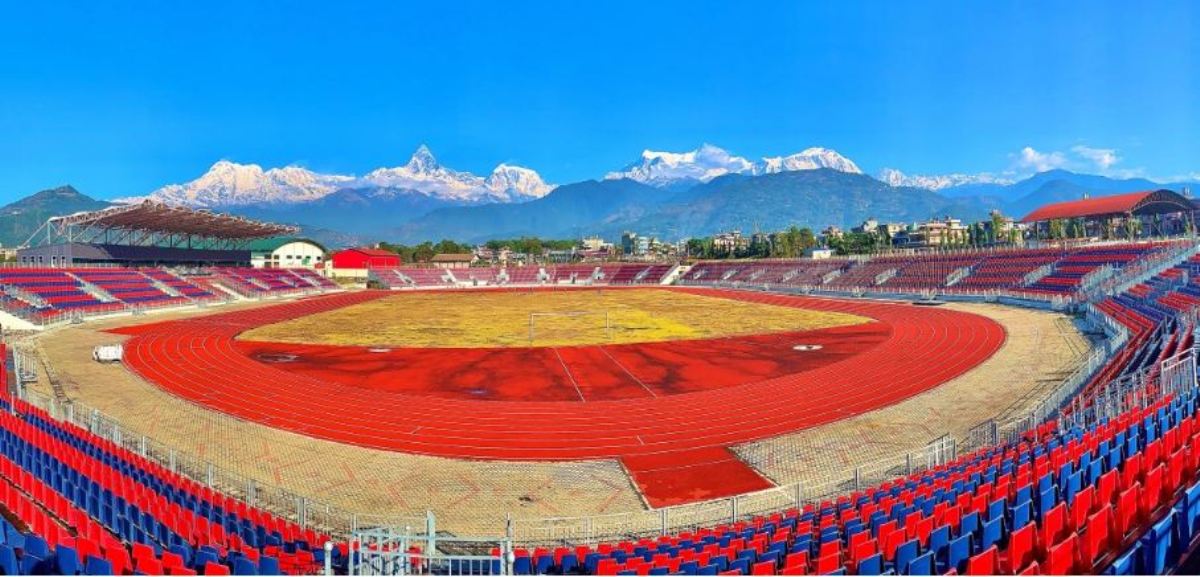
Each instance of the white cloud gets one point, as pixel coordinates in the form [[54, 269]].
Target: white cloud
[[1030, 159], [1102, 158]]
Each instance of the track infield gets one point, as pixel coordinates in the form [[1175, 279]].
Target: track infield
[[651, 405]]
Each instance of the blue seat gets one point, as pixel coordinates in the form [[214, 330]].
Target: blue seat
[[1046, 501], [969, 523], [269, 565], [872, 565], [997, 508], [97, 566], [544, 563], [939, 539], [905, 553], [1158, 546], [660, 571], [1021, 514], [36, 546], [957, 554], [1126, 564], [708, 570], [1189, 514], [569, 562], [993, 532], [67, 560], [244, 566], [32, 565], [922, 565]]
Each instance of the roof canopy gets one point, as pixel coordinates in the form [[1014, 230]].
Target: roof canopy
[[150, 223], [1136, 203]]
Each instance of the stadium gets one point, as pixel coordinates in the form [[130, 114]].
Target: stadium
[[171, 409]]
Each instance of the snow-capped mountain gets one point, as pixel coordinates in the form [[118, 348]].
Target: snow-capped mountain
[[940, 181], [665, 169], [808, 159], [514, 183], [231, 184]]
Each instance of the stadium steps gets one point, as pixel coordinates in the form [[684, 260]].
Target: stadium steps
[[93, 289], [165, 288]]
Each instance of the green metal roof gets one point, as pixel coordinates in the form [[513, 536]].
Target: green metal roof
[[270, 244]]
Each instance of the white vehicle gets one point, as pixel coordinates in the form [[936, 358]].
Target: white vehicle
[[108, 353]]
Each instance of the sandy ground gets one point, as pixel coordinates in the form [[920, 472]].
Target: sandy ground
[[474, 497]]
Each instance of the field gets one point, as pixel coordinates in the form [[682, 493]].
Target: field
[[558, 318]]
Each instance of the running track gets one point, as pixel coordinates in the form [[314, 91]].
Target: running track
[[655, 437]]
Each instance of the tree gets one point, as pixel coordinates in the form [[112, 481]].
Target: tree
[[997, 225], [1057, 229]]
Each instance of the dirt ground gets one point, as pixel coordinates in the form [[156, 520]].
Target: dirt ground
[[559, 318], [475, 497]]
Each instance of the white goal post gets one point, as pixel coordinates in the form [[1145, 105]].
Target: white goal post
[[597, 313]]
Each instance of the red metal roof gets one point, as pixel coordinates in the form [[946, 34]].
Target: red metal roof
[[1098, 206], [372, 251]]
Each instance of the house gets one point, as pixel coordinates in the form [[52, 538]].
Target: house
[[453, 260]]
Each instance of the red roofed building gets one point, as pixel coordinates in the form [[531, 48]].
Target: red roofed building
[[364, 258], [1132, 205]]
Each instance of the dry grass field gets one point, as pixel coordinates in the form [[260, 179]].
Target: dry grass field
[[558, 318]]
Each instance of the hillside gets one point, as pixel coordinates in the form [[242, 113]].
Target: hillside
[[569, 211], [813, 198], [22, 218]]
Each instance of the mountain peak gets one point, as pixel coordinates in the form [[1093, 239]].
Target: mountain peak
[[422, 161], [935, 182], [669, 169], [509, 182]]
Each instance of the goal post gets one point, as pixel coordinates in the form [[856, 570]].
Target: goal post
[[566, 325]]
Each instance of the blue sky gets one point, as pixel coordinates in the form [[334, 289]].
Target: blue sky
[[119, 99]]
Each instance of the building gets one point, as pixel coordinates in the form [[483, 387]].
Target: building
[[730, 242], [364, 258], [453, 260], [629, 242], [286, 252], [595, 243], [357, 262]]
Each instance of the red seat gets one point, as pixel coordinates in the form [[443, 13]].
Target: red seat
[[1020, 548], [1097, 537], [1063, 558], [763, 568], [986, 563], [1081, 507], [1152, 494], [796, 563], [1054, 524], [149, 566], [829, 563], [1127, 511], [170, 560], [1106, 488]]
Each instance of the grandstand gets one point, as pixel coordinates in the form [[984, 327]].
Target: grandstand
[[1109, 480], [619, 274], [132, 258], [1095, 471]]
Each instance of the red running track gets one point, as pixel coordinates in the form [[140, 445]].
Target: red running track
[[577, 373], [199, 360]]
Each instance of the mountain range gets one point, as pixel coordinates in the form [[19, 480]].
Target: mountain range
[[668, 194]]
